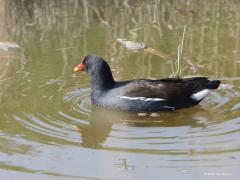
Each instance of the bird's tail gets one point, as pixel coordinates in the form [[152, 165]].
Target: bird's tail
[[214, 84]]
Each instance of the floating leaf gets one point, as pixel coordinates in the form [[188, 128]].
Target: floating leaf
[[131, 45], [5, 46]]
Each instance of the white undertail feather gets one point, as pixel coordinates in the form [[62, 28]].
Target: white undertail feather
[[200, 95]]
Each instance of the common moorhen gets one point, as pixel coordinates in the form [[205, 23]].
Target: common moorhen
[[142, 94]]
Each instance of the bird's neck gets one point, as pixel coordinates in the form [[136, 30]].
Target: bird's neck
[[102, 79]]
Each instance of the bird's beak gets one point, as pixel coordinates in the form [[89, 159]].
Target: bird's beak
[[79, 67]]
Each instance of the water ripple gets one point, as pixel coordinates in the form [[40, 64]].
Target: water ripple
[[183, 132]]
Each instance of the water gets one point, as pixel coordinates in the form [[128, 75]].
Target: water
[[49, 128]]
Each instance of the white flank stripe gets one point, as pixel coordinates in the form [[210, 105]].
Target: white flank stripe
[[200, 95], [169, 107], [141, 98]]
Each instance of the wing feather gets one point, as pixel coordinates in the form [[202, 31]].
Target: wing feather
[[173, 90]]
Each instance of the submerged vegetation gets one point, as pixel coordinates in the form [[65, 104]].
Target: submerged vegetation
[[207, 21], [133, 45]]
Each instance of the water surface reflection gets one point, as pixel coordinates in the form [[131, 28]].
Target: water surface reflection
[[49, 128]]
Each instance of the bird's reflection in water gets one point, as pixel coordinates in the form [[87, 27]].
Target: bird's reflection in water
[[102, 120]]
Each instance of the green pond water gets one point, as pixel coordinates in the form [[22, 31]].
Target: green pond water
[[50, 130]]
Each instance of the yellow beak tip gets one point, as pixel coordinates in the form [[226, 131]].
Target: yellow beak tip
[[76, 69]]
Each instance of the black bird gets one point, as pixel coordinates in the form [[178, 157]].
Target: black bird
[[142, 94]]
